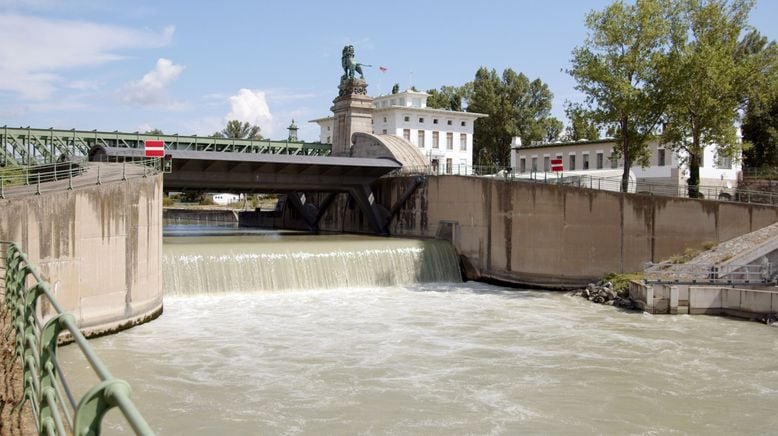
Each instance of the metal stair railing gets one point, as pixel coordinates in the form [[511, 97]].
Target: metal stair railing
[[36, 336]]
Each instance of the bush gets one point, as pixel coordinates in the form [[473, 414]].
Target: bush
[[167, 202], [621, 282], [206, 201]]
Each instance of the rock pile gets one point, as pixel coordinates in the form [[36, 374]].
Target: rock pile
[[770, 319], [603, 293]]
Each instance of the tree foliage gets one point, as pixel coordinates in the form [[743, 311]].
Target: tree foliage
[[618, 70], [760, 129], [153, 132], [582, 125], [239, 130], [714, 69], [515, 106], [447, 97]]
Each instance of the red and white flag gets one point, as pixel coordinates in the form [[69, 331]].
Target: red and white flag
[[382, 69]]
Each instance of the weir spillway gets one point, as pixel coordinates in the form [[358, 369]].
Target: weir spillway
[[223, 264]]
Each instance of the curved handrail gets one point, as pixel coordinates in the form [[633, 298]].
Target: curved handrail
[[36, 346]]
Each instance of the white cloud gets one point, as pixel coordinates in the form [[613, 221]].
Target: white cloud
[[251, 106], [35, 51], [152, 89]]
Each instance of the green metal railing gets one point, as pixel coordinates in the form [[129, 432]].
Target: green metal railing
[[30, 146], [56, 411]]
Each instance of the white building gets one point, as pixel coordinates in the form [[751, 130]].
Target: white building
[[665, 167], [223, 198], [444, 137]]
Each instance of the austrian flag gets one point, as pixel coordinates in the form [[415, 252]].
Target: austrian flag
[[382, 69]]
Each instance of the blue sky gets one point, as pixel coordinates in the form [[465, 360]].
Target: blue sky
[[187, 66]]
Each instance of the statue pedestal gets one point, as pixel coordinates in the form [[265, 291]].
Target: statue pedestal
[[353, 112]]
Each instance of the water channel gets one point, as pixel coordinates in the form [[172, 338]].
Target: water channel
[[362, 335]]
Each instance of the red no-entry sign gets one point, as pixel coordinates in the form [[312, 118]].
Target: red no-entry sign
[[154, 148], [556, 165]]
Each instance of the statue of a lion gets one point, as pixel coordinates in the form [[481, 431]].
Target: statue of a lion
[[349, 66]]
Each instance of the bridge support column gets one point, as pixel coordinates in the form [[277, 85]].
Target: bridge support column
[[376, 214], [308, 212]]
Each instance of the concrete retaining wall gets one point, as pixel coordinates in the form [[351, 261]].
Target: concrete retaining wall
[[548, 235], [199, 216], [100, 248], [709, 300]]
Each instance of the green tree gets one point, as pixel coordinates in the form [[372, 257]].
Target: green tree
[[153, 132], [515, 106], [240, 130], [581, 124], [617, 69], [447, 97], [716, 69], [760, 129], [553, 129]]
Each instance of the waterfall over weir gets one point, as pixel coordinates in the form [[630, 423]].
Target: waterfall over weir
[[214, 265]]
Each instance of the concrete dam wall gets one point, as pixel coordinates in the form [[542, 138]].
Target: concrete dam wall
[[548, 235], [100, 247]]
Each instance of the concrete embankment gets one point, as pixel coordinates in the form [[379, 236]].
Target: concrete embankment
[[547, 235], [99, 246]]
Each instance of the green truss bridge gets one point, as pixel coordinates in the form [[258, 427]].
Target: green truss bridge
[[31, 146]]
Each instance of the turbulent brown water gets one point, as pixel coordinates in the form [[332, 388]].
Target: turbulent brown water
[[394, 357]]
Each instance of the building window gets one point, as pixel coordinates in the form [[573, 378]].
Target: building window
[[599, 161], [434, 121], [449, 141], [407, 134], [572, 163], [421, 138], [448, 122], [724, 162], [384, 131], [463, 141], [421, 120], [586, 161], [406, 119], [449, 164], [660, 157], [534, 164], [384, 119], [546, 163], [522, 165], [329, 140], [614, 160], [435, 139], [462, 124]]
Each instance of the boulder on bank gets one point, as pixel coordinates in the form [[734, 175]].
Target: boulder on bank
[[603, 293]]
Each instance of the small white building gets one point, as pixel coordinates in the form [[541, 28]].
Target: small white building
[[223, 199], [444, 137], [665, 167]]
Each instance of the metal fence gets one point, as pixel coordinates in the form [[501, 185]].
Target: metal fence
[[610, 183], [55, 410], [67, 175], [700, 273]]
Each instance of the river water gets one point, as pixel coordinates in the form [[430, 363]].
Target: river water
[[401, 356]]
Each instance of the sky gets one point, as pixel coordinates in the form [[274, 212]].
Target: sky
[[187, 67]]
